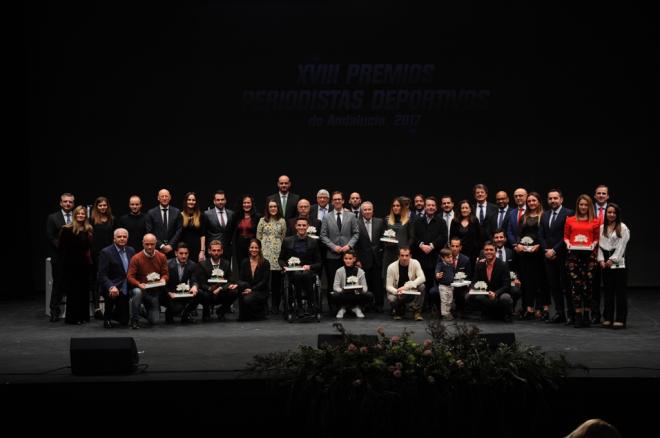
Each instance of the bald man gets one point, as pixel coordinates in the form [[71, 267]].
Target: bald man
[[164, 221], [287, 202]]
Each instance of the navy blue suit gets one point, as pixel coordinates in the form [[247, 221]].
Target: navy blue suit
[[155, 225], [178, 305], [111, 273]]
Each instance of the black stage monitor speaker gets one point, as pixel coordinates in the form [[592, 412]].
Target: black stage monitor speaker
[[495, 339], [336, 340], [94, 356]]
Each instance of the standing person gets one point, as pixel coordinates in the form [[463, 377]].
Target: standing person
[[321, 208], [54, 224], [536, 300], [193, 228], [254, 280], [484, 211], [303, 211], [466, 227], [614, 237], [218, 223], [75, 254], [354, 202], [134, 222], [551, 238], [516, 215], [286, 201], [581, 237], [103, 224], [164, 222], [112, 277], [447, 206], [271, 231], [398, 220], [442, 294], [503, 211], [601, 199], [419, 202], [245, 228], [429, 236], [370, 251]]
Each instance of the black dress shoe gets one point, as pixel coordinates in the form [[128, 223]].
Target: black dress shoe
[[108, 324], [556, 319], [570, 320], [508, 318], [135, 325], [187, 319], [595, 320], [98, 314]]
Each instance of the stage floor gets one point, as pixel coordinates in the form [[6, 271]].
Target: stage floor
[[33, 350]]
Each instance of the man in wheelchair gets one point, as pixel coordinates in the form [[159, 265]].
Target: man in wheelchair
[[300, 258]]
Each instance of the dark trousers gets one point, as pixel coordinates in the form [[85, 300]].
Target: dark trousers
[[460, 294], [555, 273], [351, 299], [532, 279], [503, 303], [182, 306], [224, 298], [596, 291], [116, 308], [429, 282], [615, 295], [303, 283], [252, 306], [276, 288], [331, 266], [57, 293], [375, 284]]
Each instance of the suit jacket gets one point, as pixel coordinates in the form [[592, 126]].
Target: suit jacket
[[490, 220], [552, 237], [500, 280], [54, 224], [505, 221], [311, 257], [111, 269], [463, 265], [205, 269], [332, 237], [154, 224], [512, 229], [291, 225], [214, 231], [260, 282], [432, 232], [189, 274], [314, 211], [291, 204], [370, 252]]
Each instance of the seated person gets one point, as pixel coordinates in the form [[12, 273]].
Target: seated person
[[506, 254], [182, 271], [146, 262], [495, 273], [442, 292], [113, 267], [254, 279], [460, 263], [307, 251], [405, 275], [213, 291], [354, 298]]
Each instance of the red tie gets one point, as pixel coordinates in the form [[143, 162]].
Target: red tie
[[601, 215], [520, 213]]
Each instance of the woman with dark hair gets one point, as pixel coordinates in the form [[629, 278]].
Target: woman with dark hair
[[398, 220], [536, 296], [614, 237], [245, 227], [581, 237], [466, 227], [193, 227], [271, 231], [103, 225], [254, 278], [75, 255]]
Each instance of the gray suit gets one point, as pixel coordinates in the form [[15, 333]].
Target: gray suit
[[332, 237]]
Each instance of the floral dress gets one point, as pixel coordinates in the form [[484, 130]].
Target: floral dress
[[271, 234]]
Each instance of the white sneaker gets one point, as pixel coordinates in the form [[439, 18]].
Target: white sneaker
[[358, 312], [341, 312]]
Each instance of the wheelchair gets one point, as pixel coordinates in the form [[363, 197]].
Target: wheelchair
[[305, 311]]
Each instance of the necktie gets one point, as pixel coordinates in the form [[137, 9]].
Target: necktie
[[339, 221], [67, 218], [221, 216], [283, 205], [323, 212], [500, 218], [165, 218], [481, 213], [180, 266], [499, 254], [124, 259], [552, 218], [356, 213], [600, 215], [520, 213], [367, 224]]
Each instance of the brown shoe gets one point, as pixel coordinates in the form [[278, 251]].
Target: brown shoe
[[606, 324], [396, 317], [418, 316]]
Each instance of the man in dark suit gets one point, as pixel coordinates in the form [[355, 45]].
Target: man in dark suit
[[429, 236], [164, 221], [182, 271], [216, 289], [113, 268], [303, 211], [322, 206], [370, 251], [507, 255], [354, 203], [496, 275], [486, 212], [287, 202], [520, 199], [307, 251], [219, 223], [551, 239], [54, 224], [502, 218], [461, 263]]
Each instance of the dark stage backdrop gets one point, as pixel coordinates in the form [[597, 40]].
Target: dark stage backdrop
[[385, 99]]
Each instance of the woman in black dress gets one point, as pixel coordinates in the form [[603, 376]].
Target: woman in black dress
[[103, 224], [75, 252], [466, 228], [193, 227], [245, 229], [254, 278]]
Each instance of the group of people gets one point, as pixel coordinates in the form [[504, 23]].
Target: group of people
[[423, 255]]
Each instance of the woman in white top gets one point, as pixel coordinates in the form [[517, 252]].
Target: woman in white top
[[614, 236]]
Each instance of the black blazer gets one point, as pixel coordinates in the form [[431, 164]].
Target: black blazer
[[154, 224], [314, 211], [464, 265], [111, 270], [311, 257], [189, 274], [490, 220], [206, 268], [291, 204], [54, 224], [552, 237], [500, 280], [291, 225], [370, 252], [260, 282], [434, 232]]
